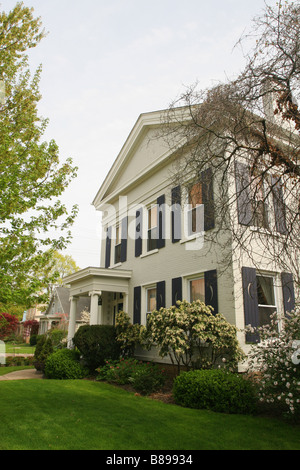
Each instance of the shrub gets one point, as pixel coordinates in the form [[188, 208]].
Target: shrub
[[96, 343], [216, 390], [57, 336], [148, 379], [145, 378], [43, 349], [128, 334], [64, 364]]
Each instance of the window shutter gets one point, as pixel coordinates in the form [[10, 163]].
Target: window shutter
[[160, 295], [138, 232], [137, 305], [176, 290], [124, 231], [244, 205], [161, 221], [279, 206], [288, 292], [176, 214], [250, 302], [108, 247], [208, 199], [211, 289]]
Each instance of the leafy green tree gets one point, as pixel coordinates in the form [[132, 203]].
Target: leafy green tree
[[31, 176]]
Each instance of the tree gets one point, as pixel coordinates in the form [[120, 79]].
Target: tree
[[8, 324], [59, 266], [247, 131], [31, 176]]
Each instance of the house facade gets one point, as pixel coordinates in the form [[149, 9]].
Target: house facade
[[155, 245], [56, 314]]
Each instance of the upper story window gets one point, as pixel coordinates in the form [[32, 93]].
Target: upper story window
[[152, 227], [118, 244], [195, 213], [259, 207]]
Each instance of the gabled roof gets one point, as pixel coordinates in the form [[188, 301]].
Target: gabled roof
[[143, 124]]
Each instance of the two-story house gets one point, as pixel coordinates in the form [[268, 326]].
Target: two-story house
[[155, 247]]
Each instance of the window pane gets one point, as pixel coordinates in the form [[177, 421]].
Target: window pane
[[152, 217], [151, 300], [118, 235], [265, 290], [264, 315], [195, 195], [197, 290]]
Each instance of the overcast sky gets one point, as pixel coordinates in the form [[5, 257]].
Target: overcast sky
[[107, 61]]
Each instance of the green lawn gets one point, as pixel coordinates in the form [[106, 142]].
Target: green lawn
[[87, 415], [22, 348]]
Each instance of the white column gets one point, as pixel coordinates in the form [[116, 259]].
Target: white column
[[72, 321], [94, 308]]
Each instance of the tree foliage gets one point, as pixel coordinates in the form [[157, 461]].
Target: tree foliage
[[8, 325], [31, 176]]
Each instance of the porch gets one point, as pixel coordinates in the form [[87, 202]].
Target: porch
[[108, 290]]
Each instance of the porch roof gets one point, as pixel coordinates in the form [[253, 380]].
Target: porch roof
[[92, 279]]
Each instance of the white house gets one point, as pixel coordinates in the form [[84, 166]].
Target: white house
[[154, 246]]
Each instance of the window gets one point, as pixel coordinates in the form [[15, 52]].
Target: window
[[258, 202], [152, 228], [195, 213], [197, 289], [151, 300], [118, 245], [266, 299]]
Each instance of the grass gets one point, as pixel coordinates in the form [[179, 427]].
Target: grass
[[19, 348], [87, 415]]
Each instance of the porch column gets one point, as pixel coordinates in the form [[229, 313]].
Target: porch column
[[94, 320], [72, 321]]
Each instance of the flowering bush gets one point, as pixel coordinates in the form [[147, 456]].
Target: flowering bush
[[277, 358], [192, 335]]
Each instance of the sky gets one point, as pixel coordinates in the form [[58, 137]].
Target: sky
[[106, 62]]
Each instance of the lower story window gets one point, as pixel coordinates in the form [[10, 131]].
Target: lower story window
[[266, 298], [151, 299], [197, 289]]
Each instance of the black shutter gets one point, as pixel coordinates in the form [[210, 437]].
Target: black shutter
[[161, 221], [279, 206], [208, 199], [243, 194], [211, 290], [108, 247], [137, 305], [176, 290], [176, 214], [124, 231], [138, 233], [288, 292], [160, 295], [250, 302]]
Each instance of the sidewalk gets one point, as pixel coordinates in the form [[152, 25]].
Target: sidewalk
[[23, 375]]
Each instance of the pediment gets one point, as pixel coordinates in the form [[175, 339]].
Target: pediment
[[144, 151]]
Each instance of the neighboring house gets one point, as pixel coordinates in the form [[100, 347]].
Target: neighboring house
[[154, 249], [57, 313]]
